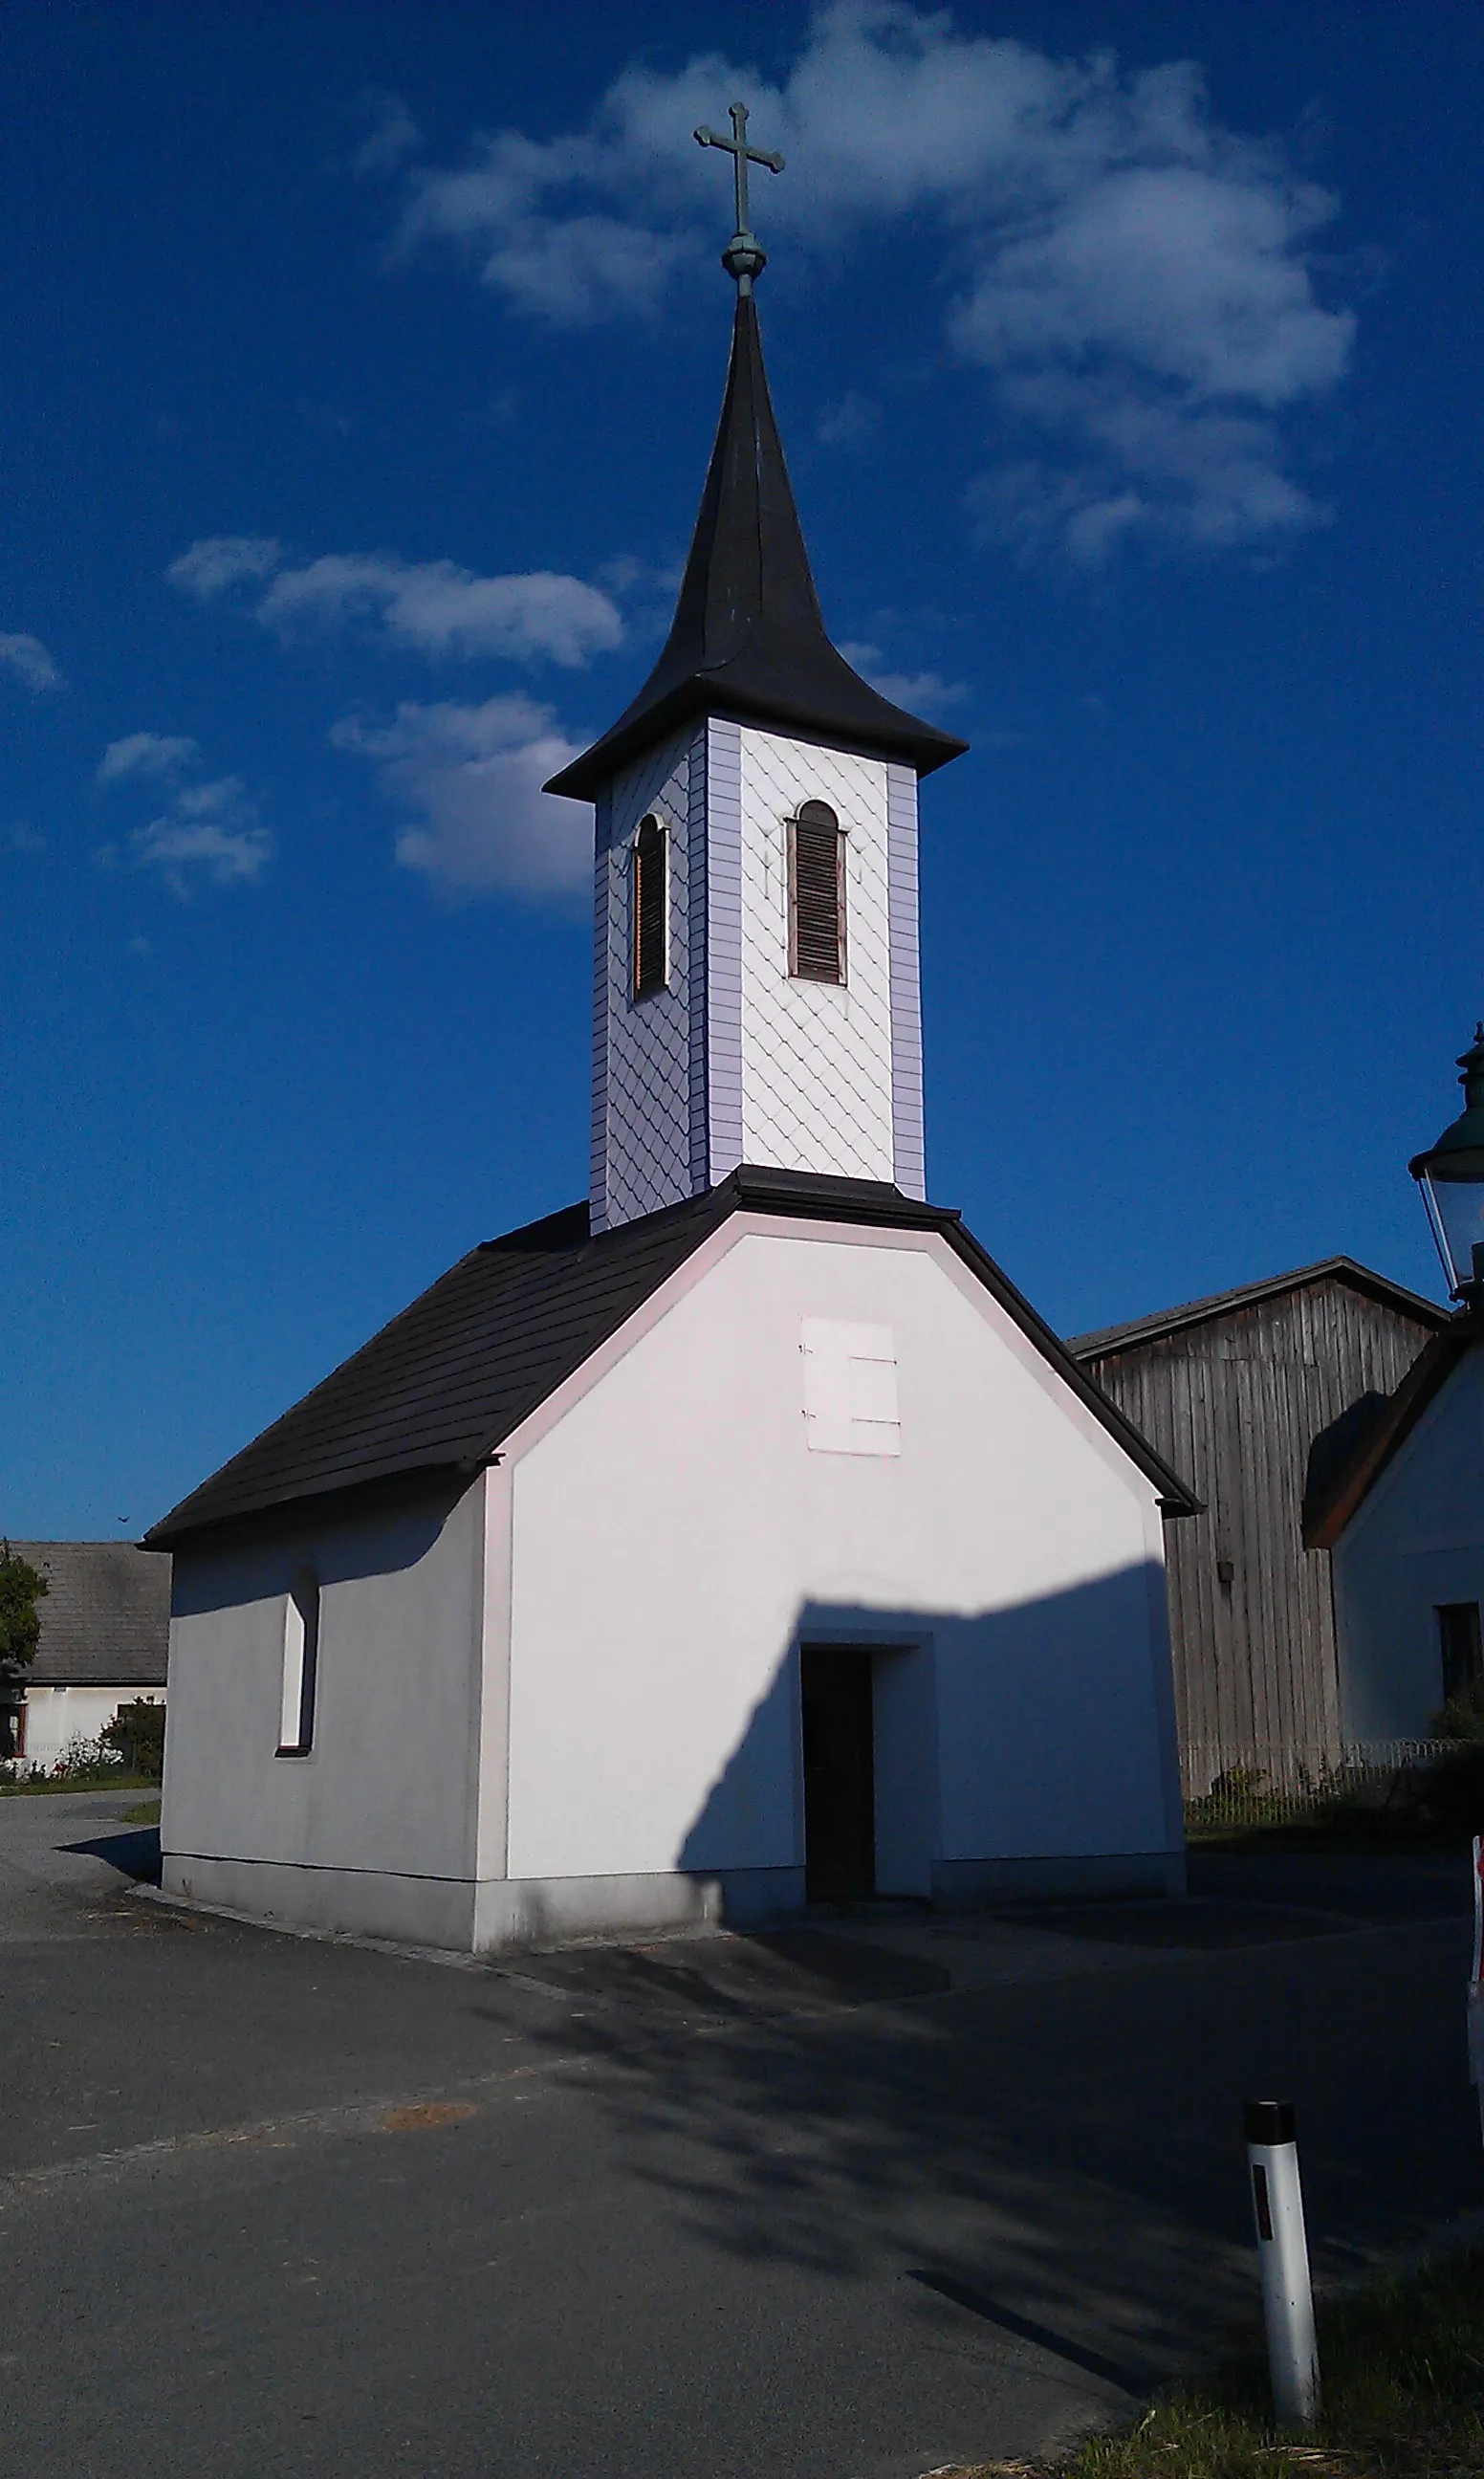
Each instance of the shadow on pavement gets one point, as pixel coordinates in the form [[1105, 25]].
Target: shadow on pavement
[[1073, 2145], [1136, 2380], [787, 1967], [134, 1855], [1193, 1926]]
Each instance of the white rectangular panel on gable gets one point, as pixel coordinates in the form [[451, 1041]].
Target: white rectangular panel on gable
[[849, 1388]]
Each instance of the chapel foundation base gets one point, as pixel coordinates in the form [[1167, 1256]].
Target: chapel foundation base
[[497, 1916], [332, 1901], [508, 1916]]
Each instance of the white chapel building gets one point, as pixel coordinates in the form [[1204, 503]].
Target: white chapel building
[[739, 1538]]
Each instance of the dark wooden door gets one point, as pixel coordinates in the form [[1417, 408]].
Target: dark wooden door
[[840, 1783]]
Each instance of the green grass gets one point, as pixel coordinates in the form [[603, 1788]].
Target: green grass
[[147, 1812], [54, 1789], [1403, 2367]]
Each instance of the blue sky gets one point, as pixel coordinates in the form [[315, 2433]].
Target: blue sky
[[361, 363]]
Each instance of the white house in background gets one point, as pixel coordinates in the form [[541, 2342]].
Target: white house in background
[[105, 1629], [739, 1537], [1404, 1524]]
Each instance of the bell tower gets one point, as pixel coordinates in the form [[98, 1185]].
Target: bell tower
[[755, 993]]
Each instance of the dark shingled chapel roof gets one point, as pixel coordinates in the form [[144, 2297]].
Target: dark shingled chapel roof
[[442, 1386], [748, 640]]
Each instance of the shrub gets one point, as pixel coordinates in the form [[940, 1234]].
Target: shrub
[[87, 1764], [21, 1587], [137, 1732]]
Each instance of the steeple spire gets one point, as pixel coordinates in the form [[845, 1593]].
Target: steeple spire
[[748, 639]]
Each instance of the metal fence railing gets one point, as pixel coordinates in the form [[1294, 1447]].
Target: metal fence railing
[[1227, 1787]]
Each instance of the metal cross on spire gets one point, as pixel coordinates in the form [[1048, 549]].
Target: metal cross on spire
[[742, 257]]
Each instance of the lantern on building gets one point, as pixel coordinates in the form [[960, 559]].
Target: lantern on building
[[1451, 1179]]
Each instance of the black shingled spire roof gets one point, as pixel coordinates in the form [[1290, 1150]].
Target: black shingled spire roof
[[748, 639]]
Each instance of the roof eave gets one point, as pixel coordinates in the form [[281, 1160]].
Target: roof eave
[[1423, 1383], [922, 745], [1103, 1341], [1176, 1498], [180, 1525]]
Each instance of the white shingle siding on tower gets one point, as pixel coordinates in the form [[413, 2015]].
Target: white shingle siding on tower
[[816, 1057], [643, 1159], [722, 1100], [906, 1129]]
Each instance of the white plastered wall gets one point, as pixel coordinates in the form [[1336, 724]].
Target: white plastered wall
[[1415, 1543], [816, 1058], [375, 1828], [56, 1716], [673, 1538]]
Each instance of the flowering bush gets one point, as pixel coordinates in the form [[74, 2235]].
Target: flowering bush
[[86, 1763], [14, 1770]]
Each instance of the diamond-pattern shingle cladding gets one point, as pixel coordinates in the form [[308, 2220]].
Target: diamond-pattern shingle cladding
[[735, 1059], [816, 1057], [646, 1161]]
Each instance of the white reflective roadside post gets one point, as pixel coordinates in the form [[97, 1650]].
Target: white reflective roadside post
[[1475, 1976], [1283, 2260]]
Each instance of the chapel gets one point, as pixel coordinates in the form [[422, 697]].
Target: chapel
[[739, 1538]]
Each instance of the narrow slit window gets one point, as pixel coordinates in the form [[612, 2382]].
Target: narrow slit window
[[816, 895], [1461, 1647], [300, 1665], [651, 905]]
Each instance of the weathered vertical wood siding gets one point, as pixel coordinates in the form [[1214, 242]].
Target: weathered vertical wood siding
[[1236, 1402]]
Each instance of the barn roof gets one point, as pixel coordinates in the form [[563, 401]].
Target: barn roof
[[442, 1386], [1101, 1345], [1382, 1438], [748, 639], [105, 1616]]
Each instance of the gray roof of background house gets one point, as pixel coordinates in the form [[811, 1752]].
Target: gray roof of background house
[[105, 1616], [441, 1386], [1328, 1270]]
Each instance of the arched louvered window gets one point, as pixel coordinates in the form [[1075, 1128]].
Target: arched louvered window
[[816, 895], [650, 904], [300, 1665]]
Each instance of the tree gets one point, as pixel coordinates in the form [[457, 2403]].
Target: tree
[[21, 1587]]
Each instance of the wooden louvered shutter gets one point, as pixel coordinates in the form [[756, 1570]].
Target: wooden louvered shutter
[[649, 942], [816, 908]]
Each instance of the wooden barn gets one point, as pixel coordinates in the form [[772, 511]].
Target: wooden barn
[[1257, 1396]]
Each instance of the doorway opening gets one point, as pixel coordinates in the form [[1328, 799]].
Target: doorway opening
[[839, 1774]]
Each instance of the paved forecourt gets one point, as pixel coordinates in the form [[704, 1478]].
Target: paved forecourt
[[853, 2200]]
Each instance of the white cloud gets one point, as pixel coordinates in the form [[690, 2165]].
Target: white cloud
[[211, 832], [472, 775], [439, 610], [392, 133], [158, 754], [33, 665], [854, 423], [1134, 278], [223, 560], [432, 608], [225, 854], [920, 692]]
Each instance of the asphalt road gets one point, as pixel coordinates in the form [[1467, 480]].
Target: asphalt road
[[847, 2202]]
